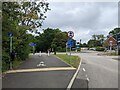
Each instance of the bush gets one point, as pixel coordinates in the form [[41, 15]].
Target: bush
[[60, 49], [5, 61], [100, 49]]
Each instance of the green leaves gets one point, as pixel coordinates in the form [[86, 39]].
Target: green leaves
[[19, 18], [51, 39]]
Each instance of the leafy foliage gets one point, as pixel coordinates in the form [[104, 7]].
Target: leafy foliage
[[97, 40], [19, 18], [52, 39]]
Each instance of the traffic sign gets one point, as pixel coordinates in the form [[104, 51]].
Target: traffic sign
[[32, 44], [70, 34], [10, 34], [69, 43]]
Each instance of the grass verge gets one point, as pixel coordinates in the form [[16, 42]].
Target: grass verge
[[17, 63], [74, 61]]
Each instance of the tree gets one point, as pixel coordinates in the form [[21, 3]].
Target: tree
[[115, 32], [51, 39], [84, 45], [97, 40], [18, 18]]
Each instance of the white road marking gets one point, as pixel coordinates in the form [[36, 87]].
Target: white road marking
[[88, 79], [84, 69], [41, 64], [74, 76]]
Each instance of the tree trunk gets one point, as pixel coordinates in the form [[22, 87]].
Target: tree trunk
[[54, 51]]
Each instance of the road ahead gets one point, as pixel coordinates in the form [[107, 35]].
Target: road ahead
[[99, 71], [48, 78]]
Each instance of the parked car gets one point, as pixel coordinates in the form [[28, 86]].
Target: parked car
[[92, 49]]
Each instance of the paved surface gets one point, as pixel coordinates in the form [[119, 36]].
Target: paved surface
[[42, 79], [49, 61], [97, 71]]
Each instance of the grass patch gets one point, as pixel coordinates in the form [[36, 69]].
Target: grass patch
[[75, 60], [16, 63], [112, 54]]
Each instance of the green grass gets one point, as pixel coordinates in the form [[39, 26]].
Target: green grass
[[112, 54], [16, 63], [75, 60]]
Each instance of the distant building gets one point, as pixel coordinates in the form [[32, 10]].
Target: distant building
[[110, 42]]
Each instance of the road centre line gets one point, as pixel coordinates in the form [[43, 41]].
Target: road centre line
[[84, 69], [88, 79], [41, 69]]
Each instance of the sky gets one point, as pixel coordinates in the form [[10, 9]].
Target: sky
[[83, 18]]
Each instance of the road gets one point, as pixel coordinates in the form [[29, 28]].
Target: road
[[49, 77], [97, 71]]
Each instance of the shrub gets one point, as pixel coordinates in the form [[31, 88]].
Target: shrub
[[100, 49], [5, 61]]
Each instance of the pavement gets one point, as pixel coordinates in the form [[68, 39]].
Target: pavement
[[39, 72], [97, 72]]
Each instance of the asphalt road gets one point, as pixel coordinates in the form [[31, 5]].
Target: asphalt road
[[42, 79], [97, 71]]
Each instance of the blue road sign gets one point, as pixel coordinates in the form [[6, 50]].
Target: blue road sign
[[69, 43], [78, 46], [32, 44], [10, 34]]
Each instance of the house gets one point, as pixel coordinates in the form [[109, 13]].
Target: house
[[110, 43]]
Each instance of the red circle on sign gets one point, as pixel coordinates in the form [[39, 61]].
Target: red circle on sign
[[70, 34]]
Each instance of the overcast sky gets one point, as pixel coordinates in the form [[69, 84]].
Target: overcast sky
[[83, 18]]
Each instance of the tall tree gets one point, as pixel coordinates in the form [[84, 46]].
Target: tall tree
[[18, 18]]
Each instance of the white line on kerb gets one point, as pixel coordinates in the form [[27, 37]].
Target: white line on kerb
[[84, 69], [74, 76]]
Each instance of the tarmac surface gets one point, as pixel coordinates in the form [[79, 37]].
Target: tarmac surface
[[97, 71], [39, 79]]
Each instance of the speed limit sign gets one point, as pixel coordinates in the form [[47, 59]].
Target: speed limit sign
[[70, 34]]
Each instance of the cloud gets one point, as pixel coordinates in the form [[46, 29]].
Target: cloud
[[84, 18]]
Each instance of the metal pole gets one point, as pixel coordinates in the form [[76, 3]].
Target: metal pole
[[70, 54], [66, 48], [33, 49], [10, 52]]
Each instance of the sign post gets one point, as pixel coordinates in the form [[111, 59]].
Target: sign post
[[10, 37], [66, 48], [69, 43], [33, 45]]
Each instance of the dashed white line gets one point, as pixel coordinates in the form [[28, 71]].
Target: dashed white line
[[84, 69], [88, 79]]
